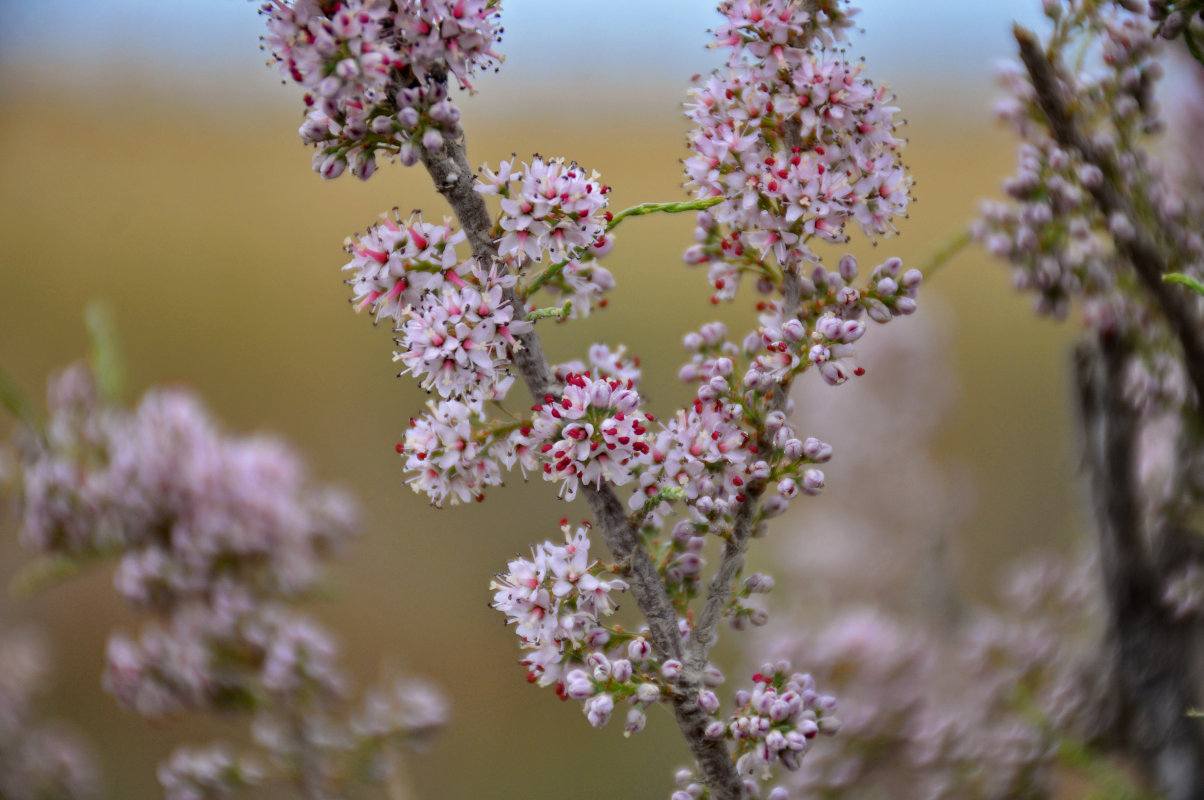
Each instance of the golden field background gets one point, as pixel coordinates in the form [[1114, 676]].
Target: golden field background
[[219, 252]]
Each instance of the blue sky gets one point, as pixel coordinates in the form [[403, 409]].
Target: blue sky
[[206, 44]]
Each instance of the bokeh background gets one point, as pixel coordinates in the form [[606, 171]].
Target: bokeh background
[[149, 158]]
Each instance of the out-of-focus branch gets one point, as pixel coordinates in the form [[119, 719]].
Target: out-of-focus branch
[[1146, 249], [453, 177], [1148, 652]]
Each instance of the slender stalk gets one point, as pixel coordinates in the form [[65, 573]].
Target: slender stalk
[[669, 208]]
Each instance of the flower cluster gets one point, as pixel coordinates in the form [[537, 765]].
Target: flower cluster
[[460, 339], [549, 208], [556, 600], [593, 432], [794, 141], [217, 537], [375, 71], [452, 458], [396, 261]]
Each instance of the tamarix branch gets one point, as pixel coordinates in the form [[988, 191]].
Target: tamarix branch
[[791, 145]]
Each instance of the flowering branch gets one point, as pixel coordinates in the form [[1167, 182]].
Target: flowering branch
[[449, 170], [791, 146]]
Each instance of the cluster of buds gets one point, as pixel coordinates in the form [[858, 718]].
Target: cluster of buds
[[774, 723]]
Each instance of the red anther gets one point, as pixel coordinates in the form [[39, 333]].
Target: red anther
[[619, 416], [714, 436], [564, 521], [859, 371], [545, 448], [740, 498], [399, 447], [738, 481]]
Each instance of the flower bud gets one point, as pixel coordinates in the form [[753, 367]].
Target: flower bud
[[648, 693], [848, 267]]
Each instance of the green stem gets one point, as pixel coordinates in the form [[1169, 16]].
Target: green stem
[[1184, 280], [635, 211], [668, 208], [946, 252]]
